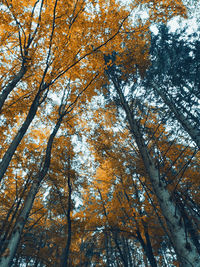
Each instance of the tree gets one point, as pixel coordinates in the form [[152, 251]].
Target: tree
[[187, 254], [55, 58], [42, 36], [173, 77], [62, 41]]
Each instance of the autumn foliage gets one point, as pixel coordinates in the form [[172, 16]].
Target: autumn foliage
[[99, 156]]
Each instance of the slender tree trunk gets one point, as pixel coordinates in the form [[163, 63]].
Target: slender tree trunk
[[193, 131], [122, 256], [65, 255], [183, 244], [24, 53], [8, 223], [189, 225], [7, 257], [107, 247], [37, 260], [11, 85], [147, 248], [129, 253], [20, 134], [114, 234], [9, 253]]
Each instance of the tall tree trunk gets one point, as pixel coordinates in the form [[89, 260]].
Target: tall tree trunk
[[183, 244], [114, 233], [11, 85], [106, 239], [37, 260], [65, 255], [24, 54], [193, 131], [122, 256], [9, 253], [20, 134], [8, 223], [147, 247], [189, 225]]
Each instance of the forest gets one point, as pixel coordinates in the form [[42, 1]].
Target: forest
[[99, 133]]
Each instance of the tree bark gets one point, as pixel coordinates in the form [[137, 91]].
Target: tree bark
[[194, 132], [9, 253], [147, 247], [183, 244], [11, 85], [20, 134], [8, 224], [66, 250], [114, 233]]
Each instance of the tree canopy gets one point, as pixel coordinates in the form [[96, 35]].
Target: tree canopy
[[100, 134]]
